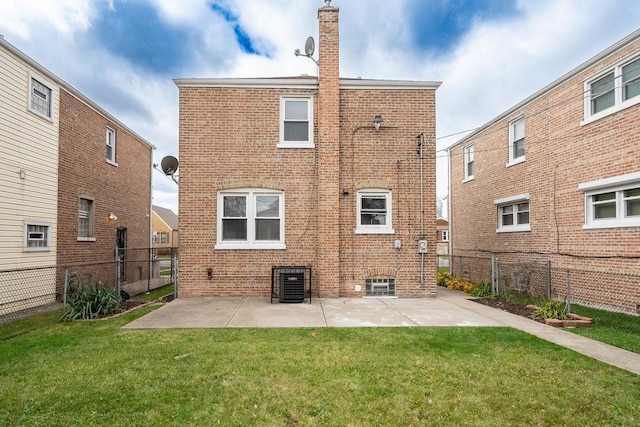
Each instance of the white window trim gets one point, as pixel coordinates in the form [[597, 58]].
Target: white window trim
[[33, 76], [91, 220], [617, 184], [466, 156], [375, 229], [520, 159], [513, 201], [619, 104], [251, 243], [111, 131], [445, 235], [297, 144], [27, 248]]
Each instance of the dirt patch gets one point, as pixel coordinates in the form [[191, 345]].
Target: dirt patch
[[510, 307]]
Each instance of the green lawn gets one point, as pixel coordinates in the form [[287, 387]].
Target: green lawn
[[621, 330], [94, 373]]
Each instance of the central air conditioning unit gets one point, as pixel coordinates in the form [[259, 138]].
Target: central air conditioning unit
[[291, 285]]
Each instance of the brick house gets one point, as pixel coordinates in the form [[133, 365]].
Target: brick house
[[293, 171], [442, 236], [556, 178], [69, 167]]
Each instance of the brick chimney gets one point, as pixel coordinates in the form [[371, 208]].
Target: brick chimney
[[328, 146]]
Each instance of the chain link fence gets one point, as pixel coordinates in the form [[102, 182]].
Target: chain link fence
[[26, 293], [612, 291]]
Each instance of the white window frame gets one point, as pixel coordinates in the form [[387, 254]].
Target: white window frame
[[28, 236], [90, 218], [469, 157], [30, 99], [445, 235], [387, 227], [111, 145], [513, 202], [296, 144], [513, 160], [619, 102], [617, 185], [250, 243]]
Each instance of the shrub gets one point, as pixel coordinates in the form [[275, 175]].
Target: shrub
[[551, 310], [443, 278], [483, 290], [91, 302]]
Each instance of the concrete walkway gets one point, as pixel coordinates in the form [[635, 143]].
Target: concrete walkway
[[449, 308]]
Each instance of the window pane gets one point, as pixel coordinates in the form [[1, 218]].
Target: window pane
[[470, 168], [373, 219], [84, 218], [632, 202], [507, 215], [267, 206], [518, 130], [40, 98], [604, 197], [518, 148], [234, 229], [602, 93], [296, 131], [631, 79], [37, 236], [374, 203], [523, 217], [235, 206], [295, 110], [267, 229]]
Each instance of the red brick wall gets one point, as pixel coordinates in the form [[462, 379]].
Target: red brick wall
[[560, 154], [124, 189]]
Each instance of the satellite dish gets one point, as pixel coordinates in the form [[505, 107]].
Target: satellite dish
[[169, 165], [309, 46]]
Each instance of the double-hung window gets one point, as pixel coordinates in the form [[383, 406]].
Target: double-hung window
[[374, 212], [85, 220], [516, 142], [296, 122], [36, 236], [40, 97], [513, 214], [111, 145], [468, 163], [612, 202], [250, 219], [612, 90]]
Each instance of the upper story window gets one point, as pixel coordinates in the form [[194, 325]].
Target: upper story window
[[613, 90], [40, 97], [111, 145], [160, 237], [36, 236], [296, 122], [516, 142], [85, 219], [468, 163], [250, 219], [513, 214], [374, 212], [445, 235], [612, 202]]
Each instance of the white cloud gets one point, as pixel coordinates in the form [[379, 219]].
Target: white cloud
[[25, 17]]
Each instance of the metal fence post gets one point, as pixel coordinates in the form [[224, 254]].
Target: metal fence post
[[548, 280], [568, 291], [65, 288], [493, 274], [117, 270], [174, 271]]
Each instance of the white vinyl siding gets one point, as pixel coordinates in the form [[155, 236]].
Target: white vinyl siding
[[28, 143]]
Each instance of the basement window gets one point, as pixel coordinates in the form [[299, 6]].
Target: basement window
[[380, 287]]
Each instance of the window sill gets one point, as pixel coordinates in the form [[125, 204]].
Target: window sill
[[374, 231], [516, 161], [86, 239], [42, 116], [611, 110], [517, 229], [250, 246], [469, 178], [296, 145], [37, 249], [611, 225], [111, 162]]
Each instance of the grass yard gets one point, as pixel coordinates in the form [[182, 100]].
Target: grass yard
[[621, 330], [95, 374]]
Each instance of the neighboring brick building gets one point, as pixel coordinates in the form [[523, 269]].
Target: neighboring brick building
[[442, 236], [292, 171], [557, 178], [69, 166]]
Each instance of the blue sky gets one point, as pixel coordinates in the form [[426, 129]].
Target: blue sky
[[489, 54]]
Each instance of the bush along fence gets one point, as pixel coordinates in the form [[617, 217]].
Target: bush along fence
[[599, 289], [31, 291]]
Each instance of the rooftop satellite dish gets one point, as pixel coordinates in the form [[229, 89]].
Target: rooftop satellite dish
[[309, 46], [169, 165]]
